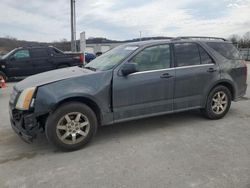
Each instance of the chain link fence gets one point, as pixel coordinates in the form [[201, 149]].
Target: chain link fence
[[245, 52]]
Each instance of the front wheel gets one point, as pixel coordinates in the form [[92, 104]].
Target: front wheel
[[218, 103], [71, 126]]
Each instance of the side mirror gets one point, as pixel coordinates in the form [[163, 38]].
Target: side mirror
[[129, 68]]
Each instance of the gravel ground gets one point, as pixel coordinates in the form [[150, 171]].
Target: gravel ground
[[180, 150]]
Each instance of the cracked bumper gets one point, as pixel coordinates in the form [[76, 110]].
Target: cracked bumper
[[24, 124]]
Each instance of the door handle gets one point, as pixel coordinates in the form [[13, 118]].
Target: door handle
[[211, 70], [166, 75]]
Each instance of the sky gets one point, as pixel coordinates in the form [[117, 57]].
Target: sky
[[49, 20]]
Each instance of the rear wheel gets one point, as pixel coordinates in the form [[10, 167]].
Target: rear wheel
[[218, 103], [71, 126]]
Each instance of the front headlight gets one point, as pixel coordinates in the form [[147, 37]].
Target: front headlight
[[25, 99]]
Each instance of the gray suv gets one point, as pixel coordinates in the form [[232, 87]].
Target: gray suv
[[132, 81]]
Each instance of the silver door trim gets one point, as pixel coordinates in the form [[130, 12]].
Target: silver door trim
[[183, 67]]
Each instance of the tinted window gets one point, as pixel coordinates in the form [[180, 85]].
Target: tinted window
[[153, 58], [187, 54], [36, 53], [22, 54], [205, 58], [227, 50]]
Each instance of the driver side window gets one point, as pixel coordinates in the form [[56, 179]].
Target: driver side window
[[153, 58], [21, 54]]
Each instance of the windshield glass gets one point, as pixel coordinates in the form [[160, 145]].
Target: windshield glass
[[111, 58], [6, 55]]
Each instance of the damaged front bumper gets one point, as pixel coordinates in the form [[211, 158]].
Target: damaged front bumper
[[24, 124]]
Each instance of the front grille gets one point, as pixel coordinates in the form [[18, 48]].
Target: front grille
[[17, 116]]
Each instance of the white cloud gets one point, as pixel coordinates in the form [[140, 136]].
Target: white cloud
[[49, 20]]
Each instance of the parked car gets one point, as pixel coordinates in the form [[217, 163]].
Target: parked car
[[89, 57], [26, 61], [129, 82]]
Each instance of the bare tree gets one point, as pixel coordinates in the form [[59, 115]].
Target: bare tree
[[234, 38], [246, 38]]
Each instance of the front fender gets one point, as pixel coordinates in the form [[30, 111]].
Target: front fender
[[97, 89]]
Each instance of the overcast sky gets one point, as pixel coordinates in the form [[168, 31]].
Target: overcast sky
[[49, 20]]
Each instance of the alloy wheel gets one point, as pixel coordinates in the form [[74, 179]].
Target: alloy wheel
[[73, 128], [219, 102]]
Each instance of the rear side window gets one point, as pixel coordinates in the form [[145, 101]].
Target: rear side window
[[227, 50], [38, 53], [205, 58], [187, 54]]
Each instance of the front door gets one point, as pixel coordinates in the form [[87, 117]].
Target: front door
[[19, 64], [148, 91]]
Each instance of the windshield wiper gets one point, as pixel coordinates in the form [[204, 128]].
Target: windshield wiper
[[90, 68]]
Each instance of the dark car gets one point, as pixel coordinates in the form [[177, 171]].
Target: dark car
[[132, 81], [26, 61]]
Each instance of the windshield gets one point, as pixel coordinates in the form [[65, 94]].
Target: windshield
[[111, 58], [6, 55]]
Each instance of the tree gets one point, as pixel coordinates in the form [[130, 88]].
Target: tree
[[246, 39], [234, 38]]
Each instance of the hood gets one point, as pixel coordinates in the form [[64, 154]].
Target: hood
[[52, 76]]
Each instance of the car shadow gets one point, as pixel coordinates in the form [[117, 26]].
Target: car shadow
[[142, 126], [105, 134]]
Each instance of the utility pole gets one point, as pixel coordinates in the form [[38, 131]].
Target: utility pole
[[73, 25], [140, 34]]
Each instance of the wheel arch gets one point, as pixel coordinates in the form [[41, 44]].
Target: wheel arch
[[87, 101], [227, 83]]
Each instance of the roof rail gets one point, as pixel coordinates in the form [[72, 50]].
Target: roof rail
[[34, 45], [199, 37]]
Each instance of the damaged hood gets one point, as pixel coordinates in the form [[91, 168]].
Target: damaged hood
[[52, 76]]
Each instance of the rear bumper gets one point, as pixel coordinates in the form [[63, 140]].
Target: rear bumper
[[241, 94], [24, 125]]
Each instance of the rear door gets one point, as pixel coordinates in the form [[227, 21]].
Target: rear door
[[195, 71], [41, 60], [19, 64], [148, 91]]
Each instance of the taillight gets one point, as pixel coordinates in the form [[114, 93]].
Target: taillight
[[82, 58]]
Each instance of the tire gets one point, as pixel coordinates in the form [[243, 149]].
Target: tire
[[65, 131], [2, 75], [218, 103]]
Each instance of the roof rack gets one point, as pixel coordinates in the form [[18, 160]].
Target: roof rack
[[34, 45], [199, 37]]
